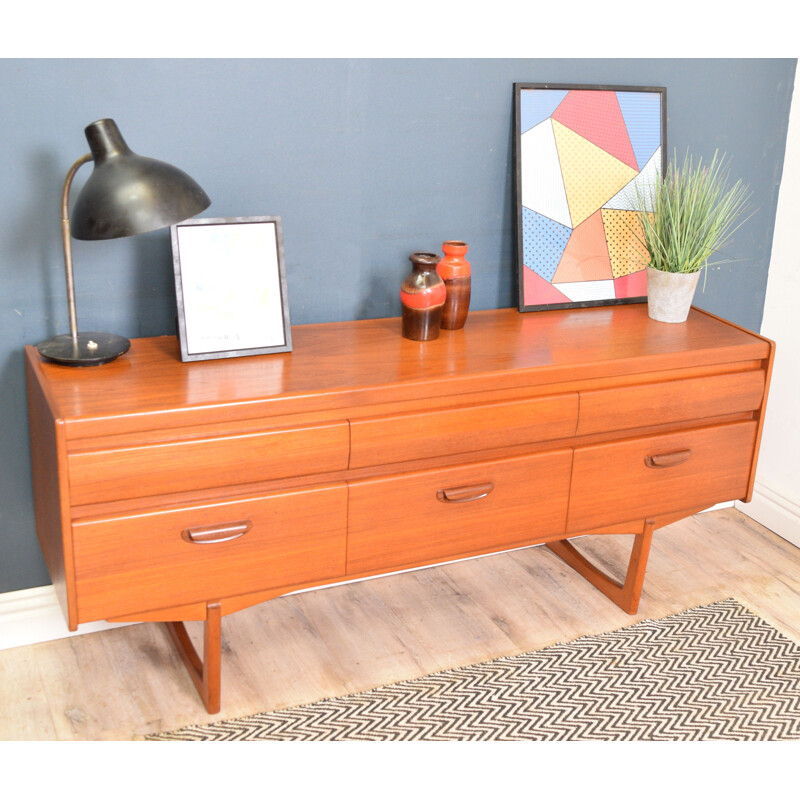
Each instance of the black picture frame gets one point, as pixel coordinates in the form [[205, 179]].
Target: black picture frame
[[230, 287], [554, 195]]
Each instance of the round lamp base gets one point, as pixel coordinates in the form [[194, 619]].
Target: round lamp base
[[88, 349]]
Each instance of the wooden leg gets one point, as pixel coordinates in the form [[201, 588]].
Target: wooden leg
[[626, 595], [206, 673]]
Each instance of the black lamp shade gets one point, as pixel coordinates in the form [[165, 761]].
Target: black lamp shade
[[127, 194]]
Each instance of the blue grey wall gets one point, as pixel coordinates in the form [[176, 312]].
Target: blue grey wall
[[365, 160]]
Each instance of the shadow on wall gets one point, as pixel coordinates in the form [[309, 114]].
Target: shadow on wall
[[34, 241], [151, 303], [19, 567], [381, 298]]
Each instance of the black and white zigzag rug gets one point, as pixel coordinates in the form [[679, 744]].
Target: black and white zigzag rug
[[712, 672]]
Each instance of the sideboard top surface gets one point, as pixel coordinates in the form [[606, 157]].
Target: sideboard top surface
[[350, 363]]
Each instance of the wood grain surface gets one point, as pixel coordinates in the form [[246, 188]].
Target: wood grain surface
[[401, 521], [165, 489], [463, 429], [670, 401], [614, 483], [141, 562], [124, 683], [353, 363], [155, 469]]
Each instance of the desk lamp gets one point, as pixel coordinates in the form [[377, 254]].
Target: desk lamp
[[126, 194]]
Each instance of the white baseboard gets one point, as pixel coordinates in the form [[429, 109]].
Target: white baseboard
[[31, 616], [729, 504], [774, 510]]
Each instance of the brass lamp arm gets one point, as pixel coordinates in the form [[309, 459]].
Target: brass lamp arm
[[66, 237]]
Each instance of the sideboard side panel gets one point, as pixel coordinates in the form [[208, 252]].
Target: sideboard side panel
[[50, 491], [760, 415]]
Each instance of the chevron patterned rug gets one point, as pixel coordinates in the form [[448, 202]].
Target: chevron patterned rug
[[712, 672]]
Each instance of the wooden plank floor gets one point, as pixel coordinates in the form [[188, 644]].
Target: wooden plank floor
[[124, 683]]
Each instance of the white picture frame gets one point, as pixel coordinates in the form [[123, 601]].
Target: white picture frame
[[230, 287]]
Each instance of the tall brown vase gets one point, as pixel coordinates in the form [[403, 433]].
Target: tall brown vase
[[455, 271], [423, 295]]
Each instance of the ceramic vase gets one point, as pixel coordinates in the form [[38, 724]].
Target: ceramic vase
[[455, 271], [670, 294], [422, 295]]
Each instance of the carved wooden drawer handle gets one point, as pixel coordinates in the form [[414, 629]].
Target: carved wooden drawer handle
[[211, 534], [463, 494], [662, 460]]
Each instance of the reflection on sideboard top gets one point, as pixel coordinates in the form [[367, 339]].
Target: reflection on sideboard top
[[347, 362]]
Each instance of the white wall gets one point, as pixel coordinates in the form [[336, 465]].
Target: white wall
[[776, 499]]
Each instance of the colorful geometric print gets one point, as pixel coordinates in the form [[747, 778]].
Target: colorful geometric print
[[625, 250], [541, 292], [536, 107], [642, 114], [586, 257], [632, 285], [591, 175], [586, 159], [544, 243], [597, 117]]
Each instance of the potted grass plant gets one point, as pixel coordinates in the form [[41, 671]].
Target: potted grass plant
[[686, 217]]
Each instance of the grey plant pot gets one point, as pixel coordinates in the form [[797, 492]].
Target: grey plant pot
[[670, 294]]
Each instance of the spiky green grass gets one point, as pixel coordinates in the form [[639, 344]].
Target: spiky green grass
[[690, 214]]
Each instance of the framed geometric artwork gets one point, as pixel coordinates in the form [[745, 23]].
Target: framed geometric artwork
[[583, 157]]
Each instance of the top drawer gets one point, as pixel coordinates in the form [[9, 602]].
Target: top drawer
[[118, 474], [670, 401], [467, 429]]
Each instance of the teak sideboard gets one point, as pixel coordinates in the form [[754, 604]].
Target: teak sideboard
[[170, 491]]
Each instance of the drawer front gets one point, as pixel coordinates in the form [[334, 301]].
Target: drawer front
[[438, 514], [405, 437], [672, 401], [119, 474], [636, 478], [137, 563]]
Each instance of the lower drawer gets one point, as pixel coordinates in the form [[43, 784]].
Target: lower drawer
[[635, 478], [127, 565], [428, 516]]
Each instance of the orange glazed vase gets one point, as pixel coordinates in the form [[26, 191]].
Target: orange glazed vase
[[455, 271], [422, 294]]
